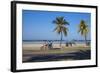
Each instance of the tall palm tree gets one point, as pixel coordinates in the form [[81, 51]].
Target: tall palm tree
[[60, 26], [83, 29]]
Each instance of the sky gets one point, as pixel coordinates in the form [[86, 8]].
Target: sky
[[38, 25]]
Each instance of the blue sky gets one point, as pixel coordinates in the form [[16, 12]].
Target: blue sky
[[37, 25]]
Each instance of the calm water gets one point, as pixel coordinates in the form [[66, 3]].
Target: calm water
[[53, 41]]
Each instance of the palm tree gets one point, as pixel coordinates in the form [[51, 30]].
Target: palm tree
[[83, 29], [60, 27]]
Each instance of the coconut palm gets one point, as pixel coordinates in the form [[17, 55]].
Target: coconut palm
[[83, 29], [60, 27]]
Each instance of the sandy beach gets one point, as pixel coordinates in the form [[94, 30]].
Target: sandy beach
[[37, 46], [29, 50]]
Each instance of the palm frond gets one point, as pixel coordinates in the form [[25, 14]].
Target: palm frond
[[65, 22]]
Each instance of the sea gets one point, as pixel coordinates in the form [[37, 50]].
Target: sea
[[54, 41]]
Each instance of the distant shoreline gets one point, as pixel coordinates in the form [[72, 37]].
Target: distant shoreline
[[54, 41]]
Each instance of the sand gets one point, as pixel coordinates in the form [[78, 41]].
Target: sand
[[35, 49], [35, 46]]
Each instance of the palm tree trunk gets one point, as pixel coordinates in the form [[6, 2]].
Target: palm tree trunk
[[61, 39], [85, 39]]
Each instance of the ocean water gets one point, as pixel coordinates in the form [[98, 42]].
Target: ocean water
[[53, 41]]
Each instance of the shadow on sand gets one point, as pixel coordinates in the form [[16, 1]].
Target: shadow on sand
[[79, 55]]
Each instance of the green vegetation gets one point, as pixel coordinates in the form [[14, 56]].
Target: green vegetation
[[83, 29], [60, 27]]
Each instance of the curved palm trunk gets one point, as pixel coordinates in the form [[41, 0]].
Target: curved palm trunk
[[61, 39]]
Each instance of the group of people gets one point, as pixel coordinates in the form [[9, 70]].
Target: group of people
[[47, 45]]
